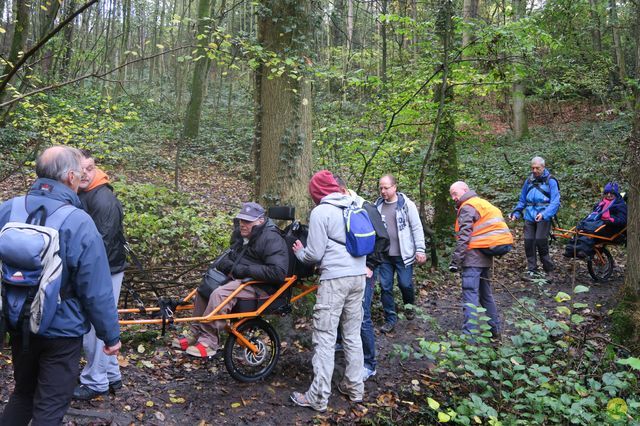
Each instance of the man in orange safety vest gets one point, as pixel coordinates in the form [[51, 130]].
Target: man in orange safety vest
[[479, 227]]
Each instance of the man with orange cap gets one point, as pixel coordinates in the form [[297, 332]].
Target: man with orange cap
[[102, 373]]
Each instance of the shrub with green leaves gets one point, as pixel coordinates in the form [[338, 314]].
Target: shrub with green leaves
[[167, 227], [551, 371]]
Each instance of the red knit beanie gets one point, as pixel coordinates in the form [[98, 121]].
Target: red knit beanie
[[321, 184]]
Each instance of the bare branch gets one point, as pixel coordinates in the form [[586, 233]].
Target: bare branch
[[41, 43], [85, 76]]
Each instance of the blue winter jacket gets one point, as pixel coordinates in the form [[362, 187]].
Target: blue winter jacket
[[533, 200], [617, 211], [86, 279]]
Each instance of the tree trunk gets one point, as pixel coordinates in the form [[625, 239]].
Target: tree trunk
[[200, 70], [596, 38], [20, 33], [47, 19], [282, 142], [445, 158], [124, 47], [519, 123], [154, 42], [625, 326], [68, 40], [337, 23], [383, 36], [349, 25], [632, 273], [469, 14], [617, 43]]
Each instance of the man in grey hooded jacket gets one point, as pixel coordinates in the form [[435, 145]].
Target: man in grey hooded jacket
[[407, 246], [339, 297]]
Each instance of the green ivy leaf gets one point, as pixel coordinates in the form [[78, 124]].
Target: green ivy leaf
[[631, 362], [562, 297], [443, 417], [577, 319], [580, 289], [433, 404], [563, 310], [617, 408]]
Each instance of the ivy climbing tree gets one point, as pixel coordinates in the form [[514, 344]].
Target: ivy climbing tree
[[282, 140], [445, 157]]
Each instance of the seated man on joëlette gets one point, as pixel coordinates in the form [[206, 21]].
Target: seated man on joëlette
[[257, 251]]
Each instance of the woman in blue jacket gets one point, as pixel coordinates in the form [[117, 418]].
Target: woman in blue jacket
[[539, 202]]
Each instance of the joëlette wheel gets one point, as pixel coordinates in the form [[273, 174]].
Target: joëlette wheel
[[245, 365], [600, 266]]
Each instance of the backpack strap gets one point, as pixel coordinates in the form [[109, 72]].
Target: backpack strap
[[20, 213], [55, 219], [536, 185], [344, 219]]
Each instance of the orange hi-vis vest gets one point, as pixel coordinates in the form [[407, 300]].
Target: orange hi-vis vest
[[490, 230]]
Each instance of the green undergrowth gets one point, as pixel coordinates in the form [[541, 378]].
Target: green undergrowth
[[134, 132], [582, 156], [554, 369], [168, 227]]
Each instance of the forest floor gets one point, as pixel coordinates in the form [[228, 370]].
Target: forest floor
[[165, 386]]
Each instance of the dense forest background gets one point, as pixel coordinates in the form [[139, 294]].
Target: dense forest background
[[194, 105]]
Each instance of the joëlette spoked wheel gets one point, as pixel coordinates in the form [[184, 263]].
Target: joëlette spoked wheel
[[245, 365], [600, 266]]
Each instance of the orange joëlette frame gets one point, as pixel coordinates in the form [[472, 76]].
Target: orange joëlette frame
[[214, 316], [569, 233]]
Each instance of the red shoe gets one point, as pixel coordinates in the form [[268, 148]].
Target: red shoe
[[183, 342], [201, 350]]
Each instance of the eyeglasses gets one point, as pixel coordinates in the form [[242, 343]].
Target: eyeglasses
[[385, 188]]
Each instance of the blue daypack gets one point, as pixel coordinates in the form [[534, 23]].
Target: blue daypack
[[31, 267], [360, 235]]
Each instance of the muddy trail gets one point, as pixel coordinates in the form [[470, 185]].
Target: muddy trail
[[165, 386]]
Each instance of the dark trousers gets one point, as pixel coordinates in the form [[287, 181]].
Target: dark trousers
[[476, 292], [45, 377], [536, 238]]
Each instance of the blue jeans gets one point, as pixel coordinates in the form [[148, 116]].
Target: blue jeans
[[366, 330], [476, 291], [405, 282]]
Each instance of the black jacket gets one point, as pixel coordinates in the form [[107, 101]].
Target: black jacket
[[264, 258], [106, 212], [381, 247]]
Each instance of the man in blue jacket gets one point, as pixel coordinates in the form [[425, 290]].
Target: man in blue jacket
[[539, 202], [46, 375]]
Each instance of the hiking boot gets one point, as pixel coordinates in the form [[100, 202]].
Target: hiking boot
[[349, 397], [115, 385], [301, 400], [84, 393], [367, 373], [387, 327], [533, 276]]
